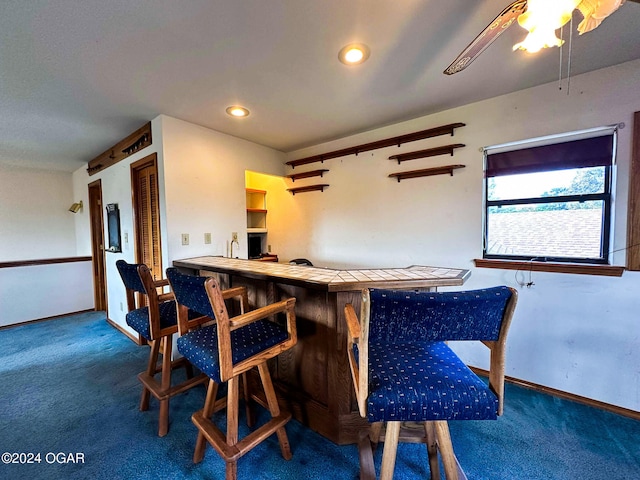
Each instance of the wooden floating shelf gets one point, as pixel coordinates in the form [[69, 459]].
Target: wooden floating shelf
[[427, 172], [429, 152], [410, 137], [257, 210], [309, 188], [312, 173], [135, 142]]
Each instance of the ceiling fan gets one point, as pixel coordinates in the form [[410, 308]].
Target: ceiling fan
[[541, 18]]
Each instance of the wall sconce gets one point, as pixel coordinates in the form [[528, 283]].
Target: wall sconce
[[76, 207]]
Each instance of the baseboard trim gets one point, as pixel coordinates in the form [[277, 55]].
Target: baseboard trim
[[46, 319], [625, 412], [137, 340]]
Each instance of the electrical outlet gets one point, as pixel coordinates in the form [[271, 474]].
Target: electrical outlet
[[234, 236], [269, 248], [121, 309], [185, 239], [207, 238]]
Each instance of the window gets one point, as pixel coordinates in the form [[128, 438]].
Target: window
[[550, 199]]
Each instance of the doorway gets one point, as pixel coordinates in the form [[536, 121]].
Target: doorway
[[97, 245], [146, 210]]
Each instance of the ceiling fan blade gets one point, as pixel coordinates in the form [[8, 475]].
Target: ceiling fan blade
[[488, 35]]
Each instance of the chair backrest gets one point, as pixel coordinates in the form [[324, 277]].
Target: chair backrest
[[301, 261], [137, 278], [130, 276], [394, 316], [399, 316], [203, 294], [190, 292]]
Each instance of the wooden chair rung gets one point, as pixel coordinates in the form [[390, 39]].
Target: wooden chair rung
[[215, 437], [230, 453], [156, 388]]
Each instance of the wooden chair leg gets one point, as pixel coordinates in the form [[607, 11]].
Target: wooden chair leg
[[188, 369], [231, 472], [432, 449], [209, 405], [365, 453], [274, 409], [251, 420], [374, 434], [165, 385], [390, 449], [232, 424], [446, 450], [151, 371]]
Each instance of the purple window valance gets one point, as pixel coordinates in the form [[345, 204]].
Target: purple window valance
[[587, 152]]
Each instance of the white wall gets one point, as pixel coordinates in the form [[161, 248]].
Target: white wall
[[576, 333], [34, 219], [201, 176], [35, 224], [42, 291], [204, 174]]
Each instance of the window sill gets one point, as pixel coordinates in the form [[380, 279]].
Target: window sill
[[575, 268]]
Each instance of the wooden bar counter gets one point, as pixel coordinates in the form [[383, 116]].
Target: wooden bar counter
[[314, 378]]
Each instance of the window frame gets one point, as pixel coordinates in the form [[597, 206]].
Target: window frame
[[606, 197]]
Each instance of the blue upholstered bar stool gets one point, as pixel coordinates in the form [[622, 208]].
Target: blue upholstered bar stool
[[156, 322], [225, 351], [404, 372]]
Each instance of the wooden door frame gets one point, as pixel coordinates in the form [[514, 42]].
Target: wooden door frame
[[150, 160], [96, 225], [633, 207]]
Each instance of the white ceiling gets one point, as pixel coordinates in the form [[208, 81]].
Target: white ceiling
[[78, 76]]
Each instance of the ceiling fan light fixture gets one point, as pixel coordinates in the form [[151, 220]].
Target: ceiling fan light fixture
[[538, 39], [237, 111], [354, 54], [541, 19]]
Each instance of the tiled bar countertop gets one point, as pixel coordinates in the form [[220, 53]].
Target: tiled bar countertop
[[329, 279]]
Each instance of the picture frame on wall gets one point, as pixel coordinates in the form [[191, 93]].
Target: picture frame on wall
[[113, 228]]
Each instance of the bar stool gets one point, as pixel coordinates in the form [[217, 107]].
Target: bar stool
[[156, 322], [225, 351], [403, 371]]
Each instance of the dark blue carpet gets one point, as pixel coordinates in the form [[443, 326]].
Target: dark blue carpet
[[69, 386]]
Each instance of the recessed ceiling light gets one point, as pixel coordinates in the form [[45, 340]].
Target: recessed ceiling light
[[354, 54], [237, 111]]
